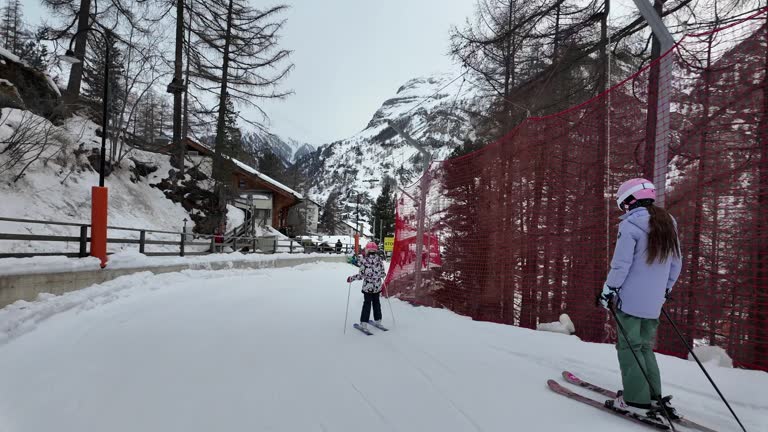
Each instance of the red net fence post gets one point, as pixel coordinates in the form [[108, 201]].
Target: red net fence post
[[523, 229]]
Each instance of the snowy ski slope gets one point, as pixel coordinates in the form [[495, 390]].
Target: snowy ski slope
[[265, 351]]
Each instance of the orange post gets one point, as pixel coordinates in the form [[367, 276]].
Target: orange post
[[357, 243], [99, 223]]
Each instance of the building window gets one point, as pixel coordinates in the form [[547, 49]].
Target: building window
[[241, 183]]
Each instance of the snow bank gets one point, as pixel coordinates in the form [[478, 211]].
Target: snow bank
[[21, 317], [129, 259], [235, 217], [564, 326], [46, 264], [712, 356], [59, 189]]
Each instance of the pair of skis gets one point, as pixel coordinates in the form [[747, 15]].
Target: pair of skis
[[573, 379], [368, 332]]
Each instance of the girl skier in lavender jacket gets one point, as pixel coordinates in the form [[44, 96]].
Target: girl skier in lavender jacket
[[372, 273], [646, 264]]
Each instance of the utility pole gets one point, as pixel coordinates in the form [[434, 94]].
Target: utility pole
[[661, 32], [185, 124], [421, 213], [357, 224]]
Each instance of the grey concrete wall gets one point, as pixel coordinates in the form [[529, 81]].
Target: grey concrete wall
[[28, 286]]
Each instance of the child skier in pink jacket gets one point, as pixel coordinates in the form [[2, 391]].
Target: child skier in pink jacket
[[372, 273]]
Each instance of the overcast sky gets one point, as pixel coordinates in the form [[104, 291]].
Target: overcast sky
[[350, 56]]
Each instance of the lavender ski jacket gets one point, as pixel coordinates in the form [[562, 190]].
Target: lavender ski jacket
[[642, 286]]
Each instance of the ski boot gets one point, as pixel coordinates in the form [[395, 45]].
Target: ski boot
[[643, 410], [664, 408]]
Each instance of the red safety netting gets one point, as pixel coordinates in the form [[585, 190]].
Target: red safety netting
[[523, 229]]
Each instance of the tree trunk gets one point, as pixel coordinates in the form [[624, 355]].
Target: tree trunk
[[219, 162], [528, 318], [76, 73], [760, 279], [699, 195], [559, 231], [595, 323], [177, 70], [555, 304]]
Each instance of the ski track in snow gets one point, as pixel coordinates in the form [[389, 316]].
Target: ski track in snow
[[262, 350]]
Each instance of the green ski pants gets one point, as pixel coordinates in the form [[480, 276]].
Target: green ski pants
[[641, 333]]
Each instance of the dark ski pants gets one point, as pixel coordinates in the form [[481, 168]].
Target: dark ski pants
[[641, 333], [371, 299]]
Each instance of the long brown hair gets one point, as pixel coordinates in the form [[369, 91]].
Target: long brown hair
[[662, 240]]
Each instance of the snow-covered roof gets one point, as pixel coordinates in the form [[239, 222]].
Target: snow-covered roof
[[267, 179], [366, 229], [9, 55], [250, 170], [256, 196]]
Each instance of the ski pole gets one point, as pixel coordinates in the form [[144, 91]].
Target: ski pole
[[386, 294], [640, 365], [690, 350], [346, 313]]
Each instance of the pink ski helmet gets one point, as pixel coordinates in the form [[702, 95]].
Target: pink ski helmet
[[634, 190], [371, 247]]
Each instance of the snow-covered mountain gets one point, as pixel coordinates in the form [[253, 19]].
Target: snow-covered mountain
[[435, 111], [287, 149]]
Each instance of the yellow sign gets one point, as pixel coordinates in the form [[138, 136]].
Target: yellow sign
[[389, 244]]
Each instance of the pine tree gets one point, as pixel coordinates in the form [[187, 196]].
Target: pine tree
[[164, 117], [271, 165], [12, 28], [383, 210], [147, 122], [35, 55], [331, 217], [233, 137], [93, 74], [239, 53]]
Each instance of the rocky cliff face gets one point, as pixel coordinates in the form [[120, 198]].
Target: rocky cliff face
[[26, 88]]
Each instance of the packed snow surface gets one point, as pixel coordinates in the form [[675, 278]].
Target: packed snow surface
[[265, 351]]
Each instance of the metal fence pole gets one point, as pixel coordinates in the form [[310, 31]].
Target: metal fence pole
[[142, 241], [181, 250], [83, 241]]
